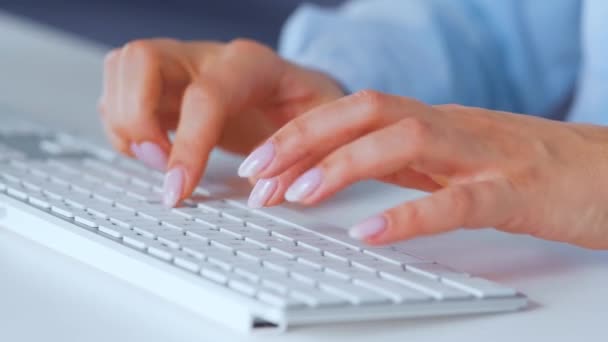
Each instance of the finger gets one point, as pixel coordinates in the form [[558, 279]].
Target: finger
[[288, 177], [473, 205], [269, 192], [108, 100], [376, 155], [244, 74], [199, 128], [323, 129], [118, 142], [110, 71], [138, 90], [404, 178]]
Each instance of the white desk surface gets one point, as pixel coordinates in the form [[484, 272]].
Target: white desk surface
[[45, 296]]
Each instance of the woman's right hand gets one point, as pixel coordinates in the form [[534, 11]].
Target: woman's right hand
[[232, 95]]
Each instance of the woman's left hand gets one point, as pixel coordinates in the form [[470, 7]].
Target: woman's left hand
[[517, 173]]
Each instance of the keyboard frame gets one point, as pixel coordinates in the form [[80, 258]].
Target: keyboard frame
[[197, 294]]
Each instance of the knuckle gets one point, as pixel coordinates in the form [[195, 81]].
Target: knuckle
[[244, 46], [111, 58], [126, 125], [461, 199], [374, 101], [140, 51], [295, 133], [417, 130], [412, 217], [300, 129], [405, 220], [342, 165], [195, 90], [203, 92], [451, 107]]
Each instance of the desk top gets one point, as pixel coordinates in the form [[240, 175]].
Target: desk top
[[55, 78]]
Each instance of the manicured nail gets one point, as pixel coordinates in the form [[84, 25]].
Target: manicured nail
[[368, 228], [261, 193], [150, 154], [304, 185], [173, 186], [136, 150], [257, 160]]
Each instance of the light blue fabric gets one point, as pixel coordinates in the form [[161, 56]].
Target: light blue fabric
[[547, 58]]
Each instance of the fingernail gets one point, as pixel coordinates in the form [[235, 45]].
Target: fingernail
[[150, 154], [261, 193], [257, 160], [135, 149], [304, 185], [368, 228], [173, 186]]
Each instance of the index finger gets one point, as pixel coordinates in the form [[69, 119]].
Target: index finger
[[240, 76], [324, 129], [200, 126]]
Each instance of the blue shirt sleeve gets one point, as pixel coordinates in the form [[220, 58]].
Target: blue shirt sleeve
[[494, 54], [591, 101]]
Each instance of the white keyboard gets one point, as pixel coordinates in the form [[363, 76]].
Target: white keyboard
[[249, 269]]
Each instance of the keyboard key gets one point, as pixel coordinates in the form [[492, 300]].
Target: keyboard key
[[345, 253], [435, 271], [110, 230], [350, 272], [423, 284], [479, 287], [251, 270], [242, 285], [394, 255], [62, 211], [398, 293], [16, 193], [132, 239], [353, 293], [159, 250], [315, 297], [276, 299], [187, 261], [39, 201], [85, 220], [373, 264], [214, 273]]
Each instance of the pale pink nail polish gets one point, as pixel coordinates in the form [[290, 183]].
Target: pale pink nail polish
[[135, 149], [368, 228], [261, 193], [257, 160], [150, 154], [304, 185], [173, 186]]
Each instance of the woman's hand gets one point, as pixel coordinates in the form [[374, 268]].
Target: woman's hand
[[486, 169], [229, 95]]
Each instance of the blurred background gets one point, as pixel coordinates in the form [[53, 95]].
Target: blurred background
[[114, 22], [52, 50]]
